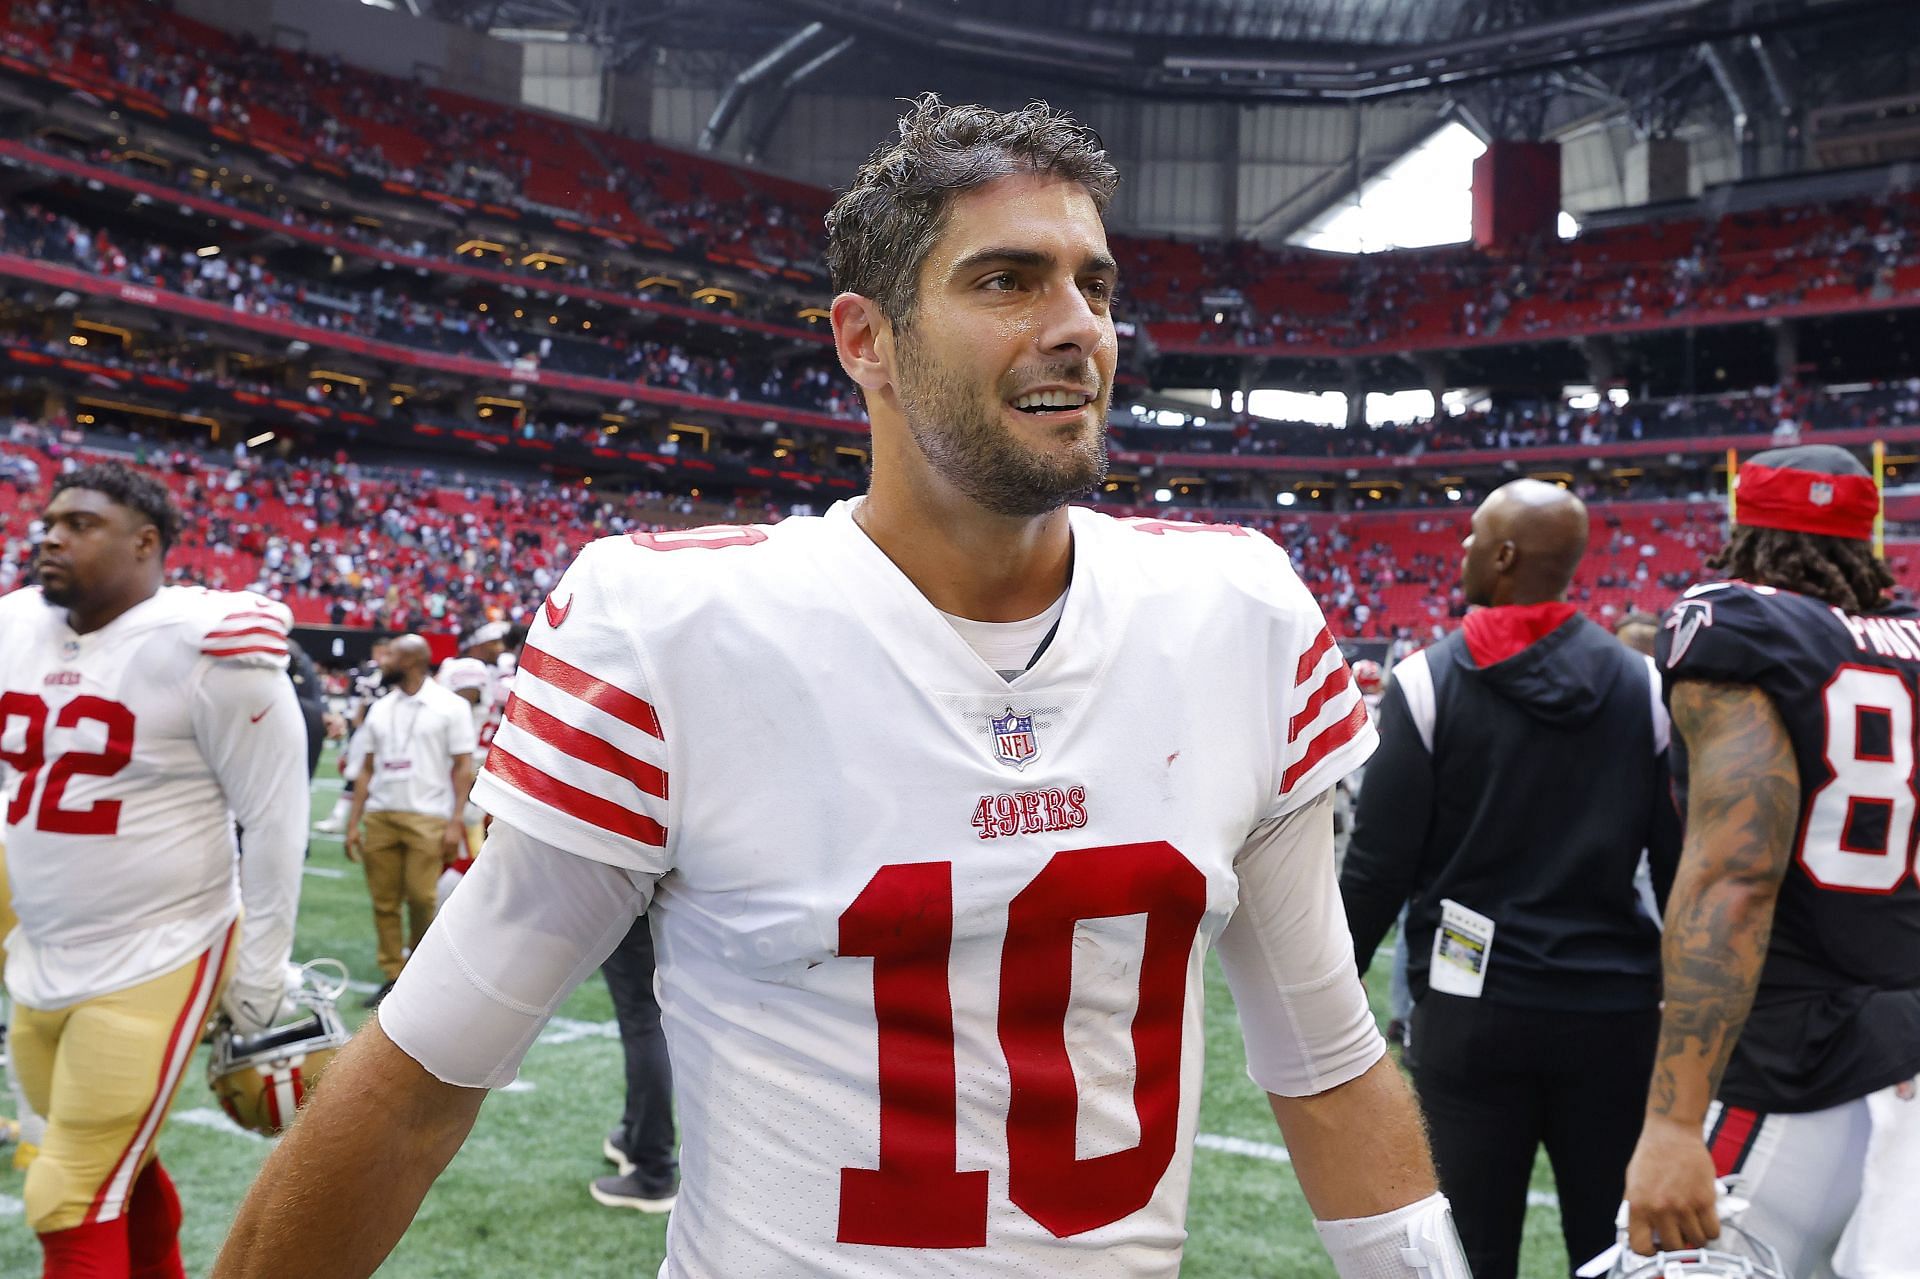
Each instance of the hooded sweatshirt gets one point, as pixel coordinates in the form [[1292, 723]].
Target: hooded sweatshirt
[[1522, 771]]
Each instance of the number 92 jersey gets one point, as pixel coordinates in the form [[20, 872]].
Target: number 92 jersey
[[931, 941], [1838, 1010], [117, 749]]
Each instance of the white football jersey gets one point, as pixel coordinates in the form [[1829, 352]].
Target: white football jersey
[[125, 755], [930, 941]]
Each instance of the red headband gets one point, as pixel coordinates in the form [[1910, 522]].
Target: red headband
[[1805, 501]]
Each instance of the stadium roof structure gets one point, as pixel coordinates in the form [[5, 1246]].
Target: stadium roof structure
[[1257, 50], [1748, 71]]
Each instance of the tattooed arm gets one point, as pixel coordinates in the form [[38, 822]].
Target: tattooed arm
[[1742, 805]]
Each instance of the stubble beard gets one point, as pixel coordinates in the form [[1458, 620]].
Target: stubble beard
[[957, 426]]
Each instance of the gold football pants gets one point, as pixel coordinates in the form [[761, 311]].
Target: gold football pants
[[104, 1072]]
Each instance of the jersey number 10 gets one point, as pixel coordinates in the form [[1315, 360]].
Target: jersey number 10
[[1869, 785], [903, 919], [102, 817]]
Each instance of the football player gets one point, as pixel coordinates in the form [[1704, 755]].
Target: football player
[[137, 724], [1791, 1029], [937, 804]]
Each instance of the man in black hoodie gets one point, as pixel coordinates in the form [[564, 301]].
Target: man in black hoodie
[[1520, 778]]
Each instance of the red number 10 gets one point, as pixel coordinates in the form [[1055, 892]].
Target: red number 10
[[903, 920], [102, 817]]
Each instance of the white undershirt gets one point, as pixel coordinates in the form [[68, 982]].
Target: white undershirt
[[1009, 647]]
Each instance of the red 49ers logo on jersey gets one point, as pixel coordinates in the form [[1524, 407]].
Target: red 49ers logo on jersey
[[1031, 812]]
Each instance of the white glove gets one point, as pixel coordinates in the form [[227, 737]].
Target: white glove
[[255, 1006]]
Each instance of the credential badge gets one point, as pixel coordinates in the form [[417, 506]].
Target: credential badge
[[1014, 743]]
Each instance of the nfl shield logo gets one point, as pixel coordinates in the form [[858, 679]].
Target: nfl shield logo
[[1013, 741], [1820, 493]]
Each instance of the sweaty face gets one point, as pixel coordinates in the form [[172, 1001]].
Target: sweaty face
[[91, 543], [1005, 369]]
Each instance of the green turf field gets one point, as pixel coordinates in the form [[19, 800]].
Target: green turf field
[[514, 1202]]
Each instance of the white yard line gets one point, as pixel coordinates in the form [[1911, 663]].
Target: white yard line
[[214, 1120], [324, 872]]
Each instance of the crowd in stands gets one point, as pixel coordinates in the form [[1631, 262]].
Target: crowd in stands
[[347, 545], [406, 132], [806, 380], [1529, 424], [1192, 294], [619, 274], [403, 548]]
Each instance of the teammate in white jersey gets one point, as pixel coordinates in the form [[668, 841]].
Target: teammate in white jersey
[[930, 938], [138, 723]]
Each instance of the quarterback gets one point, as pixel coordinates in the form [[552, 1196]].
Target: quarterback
[[1790, 1035], [936, 803], [138, 723]]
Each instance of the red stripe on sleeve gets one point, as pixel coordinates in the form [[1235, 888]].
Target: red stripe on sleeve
[[573, 801], [1311, 658], [1338, 680], [278, 650], [1331, 738], [599, 694], [584, 746]]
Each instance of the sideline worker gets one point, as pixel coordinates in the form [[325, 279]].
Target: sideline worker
[[413, 787], [1521, 773]]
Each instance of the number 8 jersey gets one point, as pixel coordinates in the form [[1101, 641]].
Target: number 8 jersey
[[1838, 1010], [931, 941]]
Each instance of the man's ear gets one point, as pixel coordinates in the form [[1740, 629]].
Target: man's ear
[[863, 338]]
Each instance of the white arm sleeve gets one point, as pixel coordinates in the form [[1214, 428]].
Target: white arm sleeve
[[529, 923], [1289, 960], [1414, 1242], [260, 759]]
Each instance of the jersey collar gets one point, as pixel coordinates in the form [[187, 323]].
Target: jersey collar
[[936, 654]]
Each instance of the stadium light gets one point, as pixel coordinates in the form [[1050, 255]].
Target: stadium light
[[263, 438], [209, 251], [1163, 495], [1287, 498], [1453, 495]]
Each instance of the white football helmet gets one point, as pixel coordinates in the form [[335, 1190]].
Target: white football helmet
[[1737, 1254], [261, 1080]]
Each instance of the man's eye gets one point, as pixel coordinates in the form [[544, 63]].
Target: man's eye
[[1001, 282]]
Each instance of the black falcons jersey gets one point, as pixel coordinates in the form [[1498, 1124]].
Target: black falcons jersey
[[1838, 1010]]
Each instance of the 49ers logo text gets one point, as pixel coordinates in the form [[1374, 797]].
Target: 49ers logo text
[[1031, 812]]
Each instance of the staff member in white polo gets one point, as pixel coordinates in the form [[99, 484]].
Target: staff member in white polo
[[413, 787]]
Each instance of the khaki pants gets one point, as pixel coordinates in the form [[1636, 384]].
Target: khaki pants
[[402, 856], [104, 1072]]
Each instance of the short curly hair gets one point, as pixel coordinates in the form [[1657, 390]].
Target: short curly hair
[[134, 489], [881, 229]]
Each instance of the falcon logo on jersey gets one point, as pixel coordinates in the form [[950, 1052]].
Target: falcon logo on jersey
[[1688, 616], [1014, 743]]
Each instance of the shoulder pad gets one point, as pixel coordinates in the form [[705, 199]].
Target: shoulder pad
[[1729, 631], [246, 630]]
